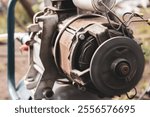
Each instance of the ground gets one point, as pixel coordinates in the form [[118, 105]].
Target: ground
[[21, 68]]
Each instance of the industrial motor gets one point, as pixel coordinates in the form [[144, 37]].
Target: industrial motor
[[74, 40], [94, 56]]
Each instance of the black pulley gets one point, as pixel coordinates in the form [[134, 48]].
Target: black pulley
[[117, 66]]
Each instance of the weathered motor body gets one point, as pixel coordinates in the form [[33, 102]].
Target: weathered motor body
[[89, 49]]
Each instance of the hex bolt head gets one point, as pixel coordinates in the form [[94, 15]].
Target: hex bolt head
[[81, 36]]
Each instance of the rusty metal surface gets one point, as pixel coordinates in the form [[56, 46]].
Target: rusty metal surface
[[67, 39], [68, 44], [65, 44], [83, 22]]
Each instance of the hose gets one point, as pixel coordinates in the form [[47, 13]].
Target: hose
[[10, 51]]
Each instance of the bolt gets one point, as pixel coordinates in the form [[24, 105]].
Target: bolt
[[48, 93], [124, 69], [81, 36], [121, 67]]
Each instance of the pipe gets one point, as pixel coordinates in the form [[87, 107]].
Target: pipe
[[10, 50], [84, 4], [94, 5]]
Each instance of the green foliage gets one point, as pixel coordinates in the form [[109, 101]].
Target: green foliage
[[3, 25], [21, 16], [146, 49], [35, 7], [144, 32]]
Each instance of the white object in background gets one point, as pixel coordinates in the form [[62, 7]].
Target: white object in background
[[123, 6], [93, 5]]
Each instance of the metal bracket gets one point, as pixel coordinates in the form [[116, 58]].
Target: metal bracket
[[50, 74]]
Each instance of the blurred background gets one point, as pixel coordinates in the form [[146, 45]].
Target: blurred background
[[24, 12]]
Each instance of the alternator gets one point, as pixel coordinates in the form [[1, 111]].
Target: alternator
[[95, 57]]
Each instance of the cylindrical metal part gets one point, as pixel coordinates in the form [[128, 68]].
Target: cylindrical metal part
[[84, 4], [94, 5]]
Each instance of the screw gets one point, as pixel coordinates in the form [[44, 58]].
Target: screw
[[81, 36], [48, 93]]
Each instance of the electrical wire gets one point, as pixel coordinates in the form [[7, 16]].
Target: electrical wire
[[121, 24]]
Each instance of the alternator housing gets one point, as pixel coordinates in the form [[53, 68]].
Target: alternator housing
[[77, 52]]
